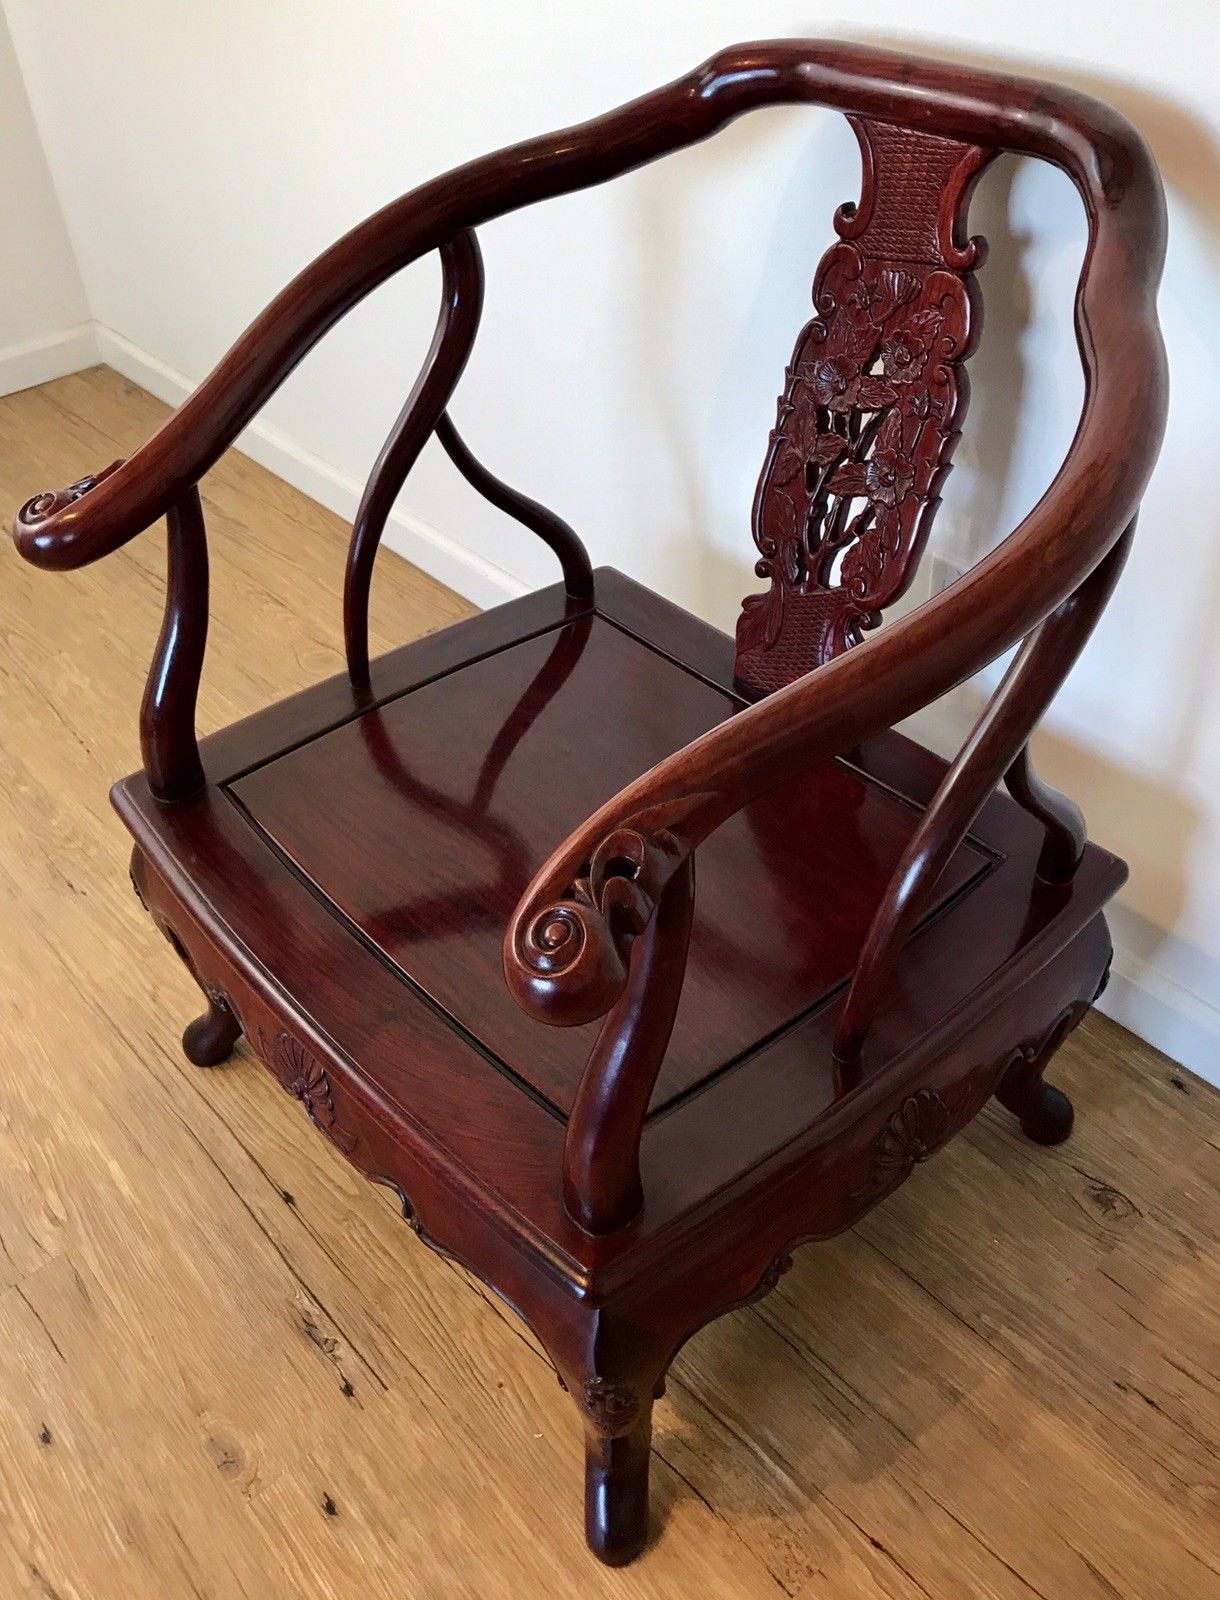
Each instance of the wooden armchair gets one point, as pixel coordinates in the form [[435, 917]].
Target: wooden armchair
[[877, 942]]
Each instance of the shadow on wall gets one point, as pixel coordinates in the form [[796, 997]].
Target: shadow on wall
[[1148, 817], [1188, 155]]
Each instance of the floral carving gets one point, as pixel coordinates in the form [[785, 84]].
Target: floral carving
[[883, 477], [866, 423], [905, 353], [612, 1406], [837, 383]]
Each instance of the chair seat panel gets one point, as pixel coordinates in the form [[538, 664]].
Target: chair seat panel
[[420, 1071], [421, 821]]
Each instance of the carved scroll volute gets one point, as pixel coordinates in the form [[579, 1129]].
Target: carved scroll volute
[[36, 513], [565, 960], [871, 409]]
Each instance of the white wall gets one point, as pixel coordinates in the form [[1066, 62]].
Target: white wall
[[635, 336], [44, 319]]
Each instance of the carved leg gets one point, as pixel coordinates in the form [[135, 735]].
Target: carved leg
[[613, 1364], [209, 1040], [616, 1488], [1045, 1112]]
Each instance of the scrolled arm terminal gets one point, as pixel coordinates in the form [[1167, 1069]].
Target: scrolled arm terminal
[[48, 507], [569, 966], [567, 959]]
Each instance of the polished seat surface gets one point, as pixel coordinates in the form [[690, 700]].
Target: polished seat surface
[[464, 738], [420, 822]]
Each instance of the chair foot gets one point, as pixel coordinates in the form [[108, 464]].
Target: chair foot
[[209, 1040], [1046, 1114], [616, 1494]]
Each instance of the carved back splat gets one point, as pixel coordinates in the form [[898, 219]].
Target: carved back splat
[[871, 409]]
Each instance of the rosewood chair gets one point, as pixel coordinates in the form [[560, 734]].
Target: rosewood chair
[[874, 943]]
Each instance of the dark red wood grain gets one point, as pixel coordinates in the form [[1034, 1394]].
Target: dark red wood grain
[[872, 406], [808, 861], [707, 866], [461, 308], [782, 1145], [394, 1034]]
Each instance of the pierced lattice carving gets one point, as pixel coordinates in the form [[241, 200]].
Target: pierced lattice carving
[[871, 409]]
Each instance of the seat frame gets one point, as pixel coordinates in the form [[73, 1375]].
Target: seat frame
[[617, 1234]]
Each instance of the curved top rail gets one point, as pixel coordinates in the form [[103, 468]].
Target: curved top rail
[[566, 949], [1100, 150]]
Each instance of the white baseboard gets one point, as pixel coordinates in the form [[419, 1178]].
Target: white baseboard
[[451, 563], [22, 366], [1143, 994], [1144, 997]]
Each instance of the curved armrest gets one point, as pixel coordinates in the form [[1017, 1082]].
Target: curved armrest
[[1095, 145], [73, 527], [567, 947]]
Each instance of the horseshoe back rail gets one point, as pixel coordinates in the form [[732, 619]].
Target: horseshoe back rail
[[570, 944]]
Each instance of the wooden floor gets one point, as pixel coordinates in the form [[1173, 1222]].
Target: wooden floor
[[228, 1369]]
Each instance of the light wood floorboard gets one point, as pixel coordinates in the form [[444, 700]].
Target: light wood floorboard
[[227, 1368]]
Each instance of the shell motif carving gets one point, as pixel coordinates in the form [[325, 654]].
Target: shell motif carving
[[304, 1076], [915, 1131], [928, 1118], [869, 415]]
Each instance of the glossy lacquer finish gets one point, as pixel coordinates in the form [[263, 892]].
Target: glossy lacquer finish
[[463, 827], [872, 404], [763, 956]]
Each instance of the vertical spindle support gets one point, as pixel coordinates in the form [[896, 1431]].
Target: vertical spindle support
[[168, 742]]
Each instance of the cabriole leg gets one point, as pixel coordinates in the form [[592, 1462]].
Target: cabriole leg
[[209, 1040], [616, 1490], [613, 1365], [1045, 1112]]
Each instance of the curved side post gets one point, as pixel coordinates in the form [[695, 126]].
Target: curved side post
[[1058, 813], [601, 1154], [457, 324], [167, 712], [1028, 687], [551, 529]]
